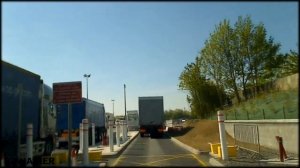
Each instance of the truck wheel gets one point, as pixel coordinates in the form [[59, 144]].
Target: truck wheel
[[141, 134]]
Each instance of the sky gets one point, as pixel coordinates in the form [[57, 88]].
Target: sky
[[145, 45]]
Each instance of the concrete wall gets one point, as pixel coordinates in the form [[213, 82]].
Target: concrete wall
[[288, 129]]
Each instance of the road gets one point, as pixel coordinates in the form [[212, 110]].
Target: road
[[162, 152]]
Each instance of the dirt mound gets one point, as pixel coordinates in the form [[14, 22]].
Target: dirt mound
[[198, 133]]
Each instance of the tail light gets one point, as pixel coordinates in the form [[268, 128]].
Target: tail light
[[160, 130]]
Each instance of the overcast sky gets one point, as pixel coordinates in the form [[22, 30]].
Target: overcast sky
[[144, 45]]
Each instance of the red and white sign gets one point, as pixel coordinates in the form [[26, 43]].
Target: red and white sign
[[67, 92]]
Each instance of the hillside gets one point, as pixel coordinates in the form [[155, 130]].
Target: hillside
[[271, 105], [198, 133]]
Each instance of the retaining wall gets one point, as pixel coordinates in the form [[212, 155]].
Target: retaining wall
[[288, 129]]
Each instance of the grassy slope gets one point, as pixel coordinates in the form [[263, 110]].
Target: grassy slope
[[202, 132], [274, 104]]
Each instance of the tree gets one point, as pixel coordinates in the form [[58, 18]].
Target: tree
[[221, 59], [240, 57], [177, 114], [234, 58], [290, 63], [203, 96]]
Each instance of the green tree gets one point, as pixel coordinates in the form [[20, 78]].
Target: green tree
[[221, 59], [290, 63], [177, 114], [240, 57], [203, 95]]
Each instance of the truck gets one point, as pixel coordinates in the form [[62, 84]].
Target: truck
[[151, 116], [92, 110], [25, 99], [174, 124], [132, 120]]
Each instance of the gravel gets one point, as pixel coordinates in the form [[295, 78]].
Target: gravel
[[266, 158]]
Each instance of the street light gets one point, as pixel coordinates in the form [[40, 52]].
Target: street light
[[113, 107], [125, 101], [87, 83]]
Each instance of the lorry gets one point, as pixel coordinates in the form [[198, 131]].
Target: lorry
[[25, 99], [151, 116], [174, 124], [132, 120], [92, 110]]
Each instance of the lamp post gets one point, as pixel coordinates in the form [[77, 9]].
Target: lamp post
[[125, 101], [113, 107], [126, 121], [87, 84]]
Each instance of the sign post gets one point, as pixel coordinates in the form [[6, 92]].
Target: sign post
[[68, 92]]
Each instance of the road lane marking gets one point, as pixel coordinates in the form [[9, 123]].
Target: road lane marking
[[127, 156], [157, 161], [200, 161], [117, 161], [170, 157]]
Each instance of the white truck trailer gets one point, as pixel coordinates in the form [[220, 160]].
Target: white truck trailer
[[133, 120]]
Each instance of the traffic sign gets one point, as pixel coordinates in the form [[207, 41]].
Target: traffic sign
[[67, 92]]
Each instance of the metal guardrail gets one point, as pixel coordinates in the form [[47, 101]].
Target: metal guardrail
[[247, 137]]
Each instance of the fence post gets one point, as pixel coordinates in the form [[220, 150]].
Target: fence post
[[235, 114], [283, 112], [247, 115], [264, 114]]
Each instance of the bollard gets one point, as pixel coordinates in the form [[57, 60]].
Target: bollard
[[80, 137], [126, 130], [74, 157], [29, 144], [118, 133], [85, 149], [123, 132], [93, 134], [222, 135], [282, 153], [2, 160], [111, 136]]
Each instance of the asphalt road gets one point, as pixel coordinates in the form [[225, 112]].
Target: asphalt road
[[161, 152]]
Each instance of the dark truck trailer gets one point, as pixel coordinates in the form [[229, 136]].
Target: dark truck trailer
[[25, 99], [151, 116], [93, 111]]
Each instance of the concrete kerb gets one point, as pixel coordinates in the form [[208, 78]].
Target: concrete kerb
[[212, 161], [122, 147], [103, 163]]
